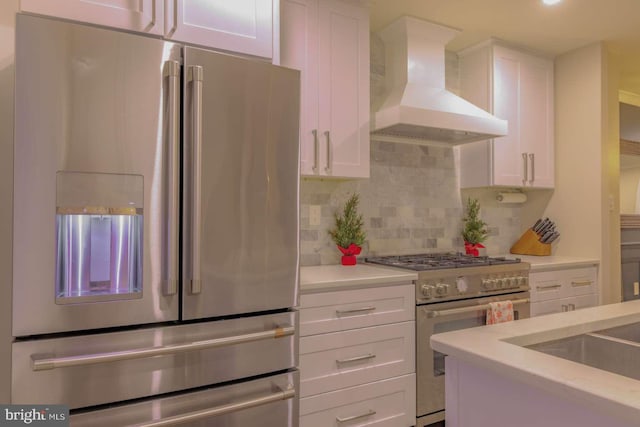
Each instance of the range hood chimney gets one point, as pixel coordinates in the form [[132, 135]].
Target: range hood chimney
[[418, 108]]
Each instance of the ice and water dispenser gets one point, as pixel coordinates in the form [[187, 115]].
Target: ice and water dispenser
[[99, 234]]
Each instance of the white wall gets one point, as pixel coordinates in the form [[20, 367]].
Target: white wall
[[8, 8], [587, 162]]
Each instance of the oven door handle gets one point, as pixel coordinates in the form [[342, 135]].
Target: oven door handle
[[468, 309]]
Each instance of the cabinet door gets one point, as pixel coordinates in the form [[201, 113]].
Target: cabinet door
[[243, 26], [299, 50], [142, 16], [536, 126], [343, 89], [508, 164]]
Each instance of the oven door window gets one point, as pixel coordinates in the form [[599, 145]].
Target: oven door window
[[454, 323]]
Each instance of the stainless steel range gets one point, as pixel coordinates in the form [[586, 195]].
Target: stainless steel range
[[453, 291]]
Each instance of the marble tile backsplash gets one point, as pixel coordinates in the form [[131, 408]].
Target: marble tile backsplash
[[411, 203]]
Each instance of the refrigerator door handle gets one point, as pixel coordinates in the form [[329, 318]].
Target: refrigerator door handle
[[40, 363], [287, 394], [195, 76], [172, 73]]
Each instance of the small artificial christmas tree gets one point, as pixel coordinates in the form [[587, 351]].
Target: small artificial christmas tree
[[475, 231], [348, 233]]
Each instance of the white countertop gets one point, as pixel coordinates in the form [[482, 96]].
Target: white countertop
[[336, 277], [499, 348], [553, 262]]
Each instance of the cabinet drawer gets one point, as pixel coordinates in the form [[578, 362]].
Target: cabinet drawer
[[546, 286], [344, 359], [359, 308], [582, 281], [388, 403], [563, 304]]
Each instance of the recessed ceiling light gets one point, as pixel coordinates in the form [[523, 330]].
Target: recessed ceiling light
[[551, 2]]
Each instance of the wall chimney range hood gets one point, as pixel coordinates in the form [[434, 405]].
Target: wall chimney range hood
[[417, 107]]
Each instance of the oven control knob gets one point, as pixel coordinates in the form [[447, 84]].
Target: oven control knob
[[487, 284], [427, 291], [509, 282], [523, 281], [442, 289], [503, 283]]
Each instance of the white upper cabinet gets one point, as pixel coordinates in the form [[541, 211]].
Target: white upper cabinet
[[328, 41], [145, 16], [243, 26], [518, 87]]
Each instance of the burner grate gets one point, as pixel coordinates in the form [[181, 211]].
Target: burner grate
[[437, 261]]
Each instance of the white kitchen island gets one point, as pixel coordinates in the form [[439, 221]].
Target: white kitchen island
[[492, 379]]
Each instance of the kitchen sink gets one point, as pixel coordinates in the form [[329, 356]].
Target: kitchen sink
[[615, 350], [629, 332]]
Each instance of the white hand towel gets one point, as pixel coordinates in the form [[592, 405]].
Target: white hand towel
[[499, 312]]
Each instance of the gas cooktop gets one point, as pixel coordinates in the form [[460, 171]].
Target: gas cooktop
[[438, 261]]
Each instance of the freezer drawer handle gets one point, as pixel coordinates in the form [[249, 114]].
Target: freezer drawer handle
[[432, 314], [369, 413], [221, 410], [40, 363]]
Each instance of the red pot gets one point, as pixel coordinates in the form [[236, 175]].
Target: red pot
[[472, 248], [349, 254]]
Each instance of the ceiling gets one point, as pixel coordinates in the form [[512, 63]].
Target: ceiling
[[551, 30]]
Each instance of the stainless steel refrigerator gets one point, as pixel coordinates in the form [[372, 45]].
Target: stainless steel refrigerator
[[155, 260]]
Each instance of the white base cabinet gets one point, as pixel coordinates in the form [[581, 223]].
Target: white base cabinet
[[357, 357], [518, 87], [328, 41], [242, 26], [563, 290], [386, 403]]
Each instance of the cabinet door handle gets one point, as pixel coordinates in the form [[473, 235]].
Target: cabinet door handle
[[525, 166], [532, 157], [329, 152], [356, 359], [172, 13], [369, 413], [577, 283], [565, 307], [542, 288], [316, 151], [572, 307], [355, 310]]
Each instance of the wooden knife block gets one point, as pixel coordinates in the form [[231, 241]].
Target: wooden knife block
[[528, 244]]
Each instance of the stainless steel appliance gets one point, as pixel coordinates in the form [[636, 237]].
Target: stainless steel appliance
[[155, 230], [453, 292]]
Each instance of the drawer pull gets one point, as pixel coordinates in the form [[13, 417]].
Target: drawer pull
[[355, 310], [581, 283], [369, 413], [540, 288], [356, 359]]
